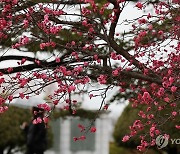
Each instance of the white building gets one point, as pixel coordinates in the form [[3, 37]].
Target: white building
[[95, 143]]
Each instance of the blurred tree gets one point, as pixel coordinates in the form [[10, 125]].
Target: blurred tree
[[12, 137]]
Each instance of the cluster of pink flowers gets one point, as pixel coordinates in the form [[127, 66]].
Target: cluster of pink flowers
[[3, 109], [84, 80], [2, 100], [45, 106], [2, 80], [139, 5], [102, 79], [47, 44], [37, 120], [23, 41]]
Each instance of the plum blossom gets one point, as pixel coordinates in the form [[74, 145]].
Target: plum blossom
[[93, 129], [102, 79], [125, 138], [139, 5], [173, 89]]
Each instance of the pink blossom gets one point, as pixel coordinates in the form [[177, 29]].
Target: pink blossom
[[82, 138], [44, 106], [139, 5], [173, 89], [93, 129], [149, 16], [141, 113], [113, 56], [177, 126], [160, 32], [146, 97], [24, 40], [102, 79], [176, 1], [10, 69], [10, 97], [142, 21], [106, 107], [39, 120], [55, 102], [84, 22], [35, 121], [23, 61], [46, 119], [75, 138], [166, 99], [74, 112], [26, 23], [66, 107], [95, 57], [73, 43], [140, 148], [161, 91], [23, 82], [91, 30], [153, 142], [21, 95], [166, 84], [55, 29], [125, 138], [171, 80], [15, 2], [2, 100], [157, 132], [71, 88], [82, 128], [115, 72], [47, 44], [150, 27], [2, 80], [58, 60], [91, 95], [86, 63], [174, 113]]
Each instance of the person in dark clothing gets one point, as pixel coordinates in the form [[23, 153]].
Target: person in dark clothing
[[36, 133]]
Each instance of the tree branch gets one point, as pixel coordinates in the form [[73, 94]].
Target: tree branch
[[117, 12], [43, 64], [132, 74], [4, 58]]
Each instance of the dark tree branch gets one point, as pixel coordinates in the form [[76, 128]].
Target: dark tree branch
[[4, 58], [53, 65], [125, 54], [43, 64], [123, 74], [140, 76], [117, 12]]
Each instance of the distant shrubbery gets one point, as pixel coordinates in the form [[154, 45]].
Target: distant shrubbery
[[127, 118], [11, 136]]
